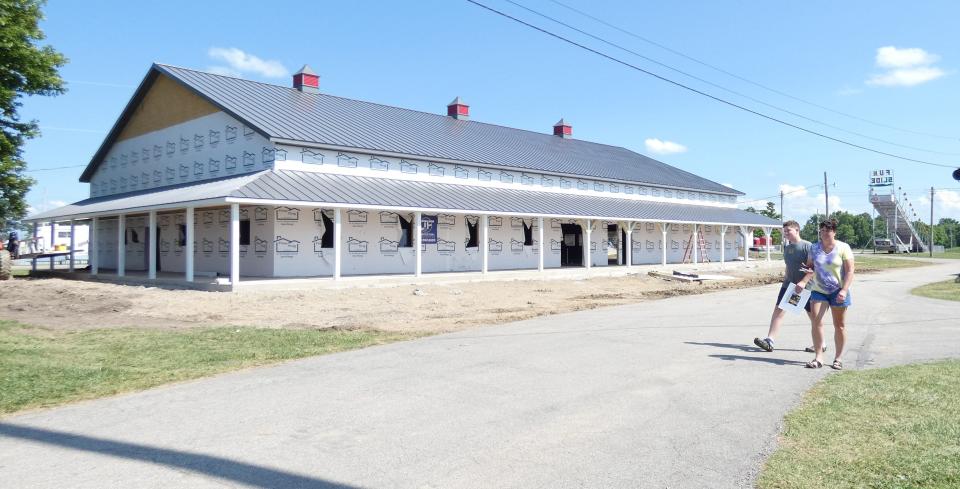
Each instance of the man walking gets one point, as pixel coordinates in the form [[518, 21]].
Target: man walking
[[795, 252]]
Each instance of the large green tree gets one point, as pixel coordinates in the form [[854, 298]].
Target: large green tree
[[26, 68], [770, 211]]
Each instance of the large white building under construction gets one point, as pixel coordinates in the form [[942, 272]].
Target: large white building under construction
[[209, 175]]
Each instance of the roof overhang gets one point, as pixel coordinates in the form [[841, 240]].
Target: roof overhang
[[317, 189]]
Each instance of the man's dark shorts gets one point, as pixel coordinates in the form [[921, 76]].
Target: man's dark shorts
[[783, 290]]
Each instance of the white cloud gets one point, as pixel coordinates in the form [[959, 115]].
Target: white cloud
[[57, 203], [240, 62], [799, 204], [905, 67], [947, 205], [664, 147], [892, 57], [906, 77]]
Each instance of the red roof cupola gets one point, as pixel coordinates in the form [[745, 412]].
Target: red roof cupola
[[458, 110], [306, 80], [562, 129]]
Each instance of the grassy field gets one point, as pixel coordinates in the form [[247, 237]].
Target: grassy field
[[885, 428], [949, 253], [947, 290], [882, 262], [39, 367]]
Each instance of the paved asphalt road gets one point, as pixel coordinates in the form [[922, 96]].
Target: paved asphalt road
[[667, 393]]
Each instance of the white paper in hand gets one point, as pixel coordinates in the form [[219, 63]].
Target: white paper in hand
[[792, 301]]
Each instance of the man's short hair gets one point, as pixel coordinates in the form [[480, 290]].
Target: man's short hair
[[830, 224], [792, 224]]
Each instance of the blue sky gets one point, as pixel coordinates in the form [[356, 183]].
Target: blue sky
[[888, 62]]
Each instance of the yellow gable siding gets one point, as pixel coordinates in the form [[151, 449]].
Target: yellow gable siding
[[165, 104]]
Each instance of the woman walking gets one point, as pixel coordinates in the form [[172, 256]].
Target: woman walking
[[832, 264]]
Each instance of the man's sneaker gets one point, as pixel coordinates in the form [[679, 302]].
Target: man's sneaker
[[763, 343]]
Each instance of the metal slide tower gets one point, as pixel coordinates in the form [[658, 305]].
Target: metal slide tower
[[898, 217]]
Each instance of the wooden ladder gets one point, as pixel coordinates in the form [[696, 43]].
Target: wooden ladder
[[701, 247]]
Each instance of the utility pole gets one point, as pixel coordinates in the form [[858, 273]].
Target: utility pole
[[826, 195], [782, 215], [931, 222]]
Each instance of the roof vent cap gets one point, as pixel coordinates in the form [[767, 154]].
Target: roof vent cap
[[458, 110], [306, 80], [562, 129]]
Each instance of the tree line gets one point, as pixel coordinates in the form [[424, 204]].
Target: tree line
[[859, 230]]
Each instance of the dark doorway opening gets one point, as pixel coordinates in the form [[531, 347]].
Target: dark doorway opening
[[571, 246], [614, 242]]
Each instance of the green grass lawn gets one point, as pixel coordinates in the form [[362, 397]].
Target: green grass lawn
[[880, 262], [882, 429], [40, 367], [949, 253], [947, 290]]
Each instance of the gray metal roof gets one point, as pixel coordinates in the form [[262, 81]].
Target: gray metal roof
[[351, 190], [140, 200], [291, 185], [287, 114]]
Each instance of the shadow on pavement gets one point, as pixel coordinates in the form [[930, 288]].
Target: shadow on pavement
[[776, 361], [732, 346], [244, 473]]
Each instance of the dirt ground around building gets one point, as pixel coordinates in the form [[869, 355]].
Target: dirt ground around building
[[77, 305]]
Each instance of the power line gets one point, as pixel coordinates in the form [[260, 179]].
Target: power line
[[721, 87], [705, 94], [54, 168], [741, 78]]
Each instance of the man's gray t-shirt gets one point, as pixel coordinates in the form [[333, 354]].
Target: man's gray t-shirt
[[795, 256]]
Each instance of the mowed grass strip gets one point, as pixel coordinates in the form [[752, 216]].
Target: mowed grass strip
[[40, 367], [867, 263], [886, 428], [946, 290]]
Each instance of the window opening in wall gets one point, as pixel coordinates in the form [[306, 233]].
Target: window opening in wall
[[326, 241], [472, 241], [181, 235], [406, 237], [245, 232], [527, 234]]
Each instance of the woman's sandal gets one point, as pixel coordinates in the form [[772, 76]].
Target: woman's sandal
[[837, 365], [813, 364]]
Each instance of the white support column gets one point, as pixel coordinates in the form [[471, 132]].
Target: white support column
[[93, 248], [663, 243], [695, 243], [628, 246], [152, 245], [417, 248], [484, 244], [121, 245], [587, 255], [540, 244], [723, 245], [746, 243], [188, 252], [766, 233], [337, 242], [53, 240], [36, 241], [73, 244], [234, 246]]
